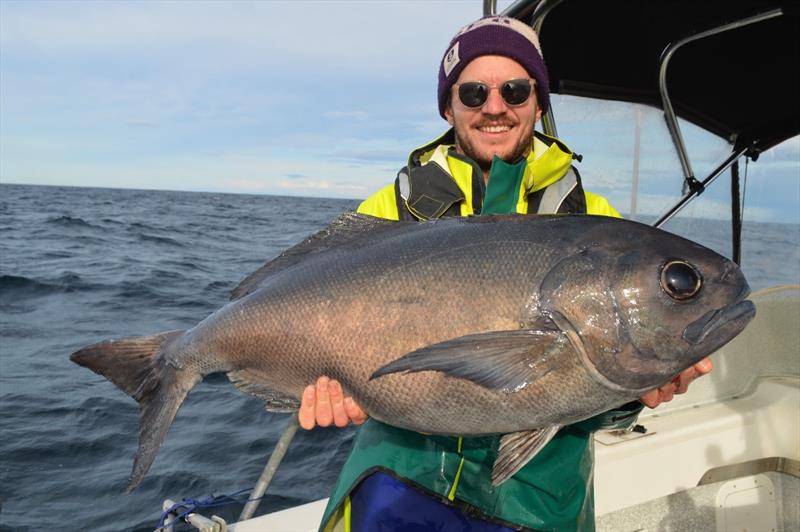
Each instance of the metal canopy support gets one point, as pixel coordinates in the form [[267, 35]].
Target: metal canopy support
[[669, 113], [736, 214], [269, 470], [542, 9], [489, 7], [733, 157]]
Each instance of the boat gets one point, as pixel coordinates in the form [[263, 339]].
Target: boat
[[726, 455]]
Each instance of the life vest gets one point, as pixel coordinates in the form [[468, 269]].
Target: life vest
[[429, 191]]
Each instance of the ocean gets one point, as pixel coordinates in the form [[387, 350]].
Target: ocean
[[79, 265]]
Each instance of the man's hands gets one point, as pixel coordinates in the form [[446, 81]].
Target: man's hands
[[679, 384], [325, 404]]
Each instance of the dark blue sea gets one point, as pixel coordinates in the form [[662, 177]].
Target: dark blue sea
[[79, 265]]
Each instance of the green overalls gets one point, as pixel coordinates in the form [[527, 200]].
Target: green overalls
[[554, 490]]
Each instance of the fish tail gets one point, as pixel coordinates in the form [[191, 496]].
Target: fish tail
[[138, 367]]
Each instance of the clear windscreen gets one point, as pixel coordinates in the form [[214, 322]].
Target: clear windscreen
[[629, 157]]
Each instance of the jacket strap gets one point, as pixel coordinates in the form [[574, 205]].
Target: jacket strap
[[426, 192], [564, 196]]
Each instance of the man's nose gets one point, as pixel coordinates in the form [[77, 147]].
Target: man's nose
[[495, 104]]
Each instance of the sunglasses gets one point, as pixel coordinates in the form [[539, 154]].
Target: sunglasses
[[474, 94]]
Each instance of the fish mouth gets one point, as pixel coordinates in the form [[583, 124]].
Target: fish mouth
[[718, 327]]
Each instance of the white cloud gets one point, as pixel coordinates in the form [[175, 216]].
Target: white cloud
[[657, 205], [278, 97], [362, 36]]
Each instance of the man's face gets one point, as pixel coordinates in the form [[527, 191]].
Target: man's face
[[495, 128]]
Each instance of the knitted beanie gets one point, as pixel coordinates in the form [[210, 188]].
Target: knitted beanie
[[494, 35]]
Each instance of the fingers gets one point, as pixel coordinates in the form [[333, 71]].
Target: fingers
[[354, 412], [650, 399], [704, 366], [306, 414], [340, 417], [324, 411], [690, 374], [685, 379], [678, 385], [666, 393], [324, 404], [653, 398]]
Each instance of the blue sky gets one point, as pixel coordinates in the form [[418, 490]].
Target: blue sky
[[299, 98]]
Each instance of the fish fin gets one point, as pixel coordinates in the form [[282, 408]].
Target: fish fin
[[517, 448], [135, 366], [251, 381], [348, 228], [498, 360]]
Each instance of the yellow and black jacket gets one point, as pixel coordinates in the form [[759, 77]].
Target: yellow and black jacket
[[437, 182], [554, 490]]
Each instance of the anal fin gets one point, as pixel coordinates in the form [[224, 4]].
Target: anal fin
[[517, 449]]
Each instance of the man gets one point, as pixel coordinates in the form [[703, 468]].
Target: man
[[493, 88]]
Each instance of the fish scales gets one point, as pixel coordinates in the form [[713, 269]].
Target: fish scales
[[405, 295], [503, 324]]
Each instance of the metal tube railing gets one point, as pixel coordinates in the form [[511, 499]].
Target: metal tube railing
[[269, 470], [733, 157], [669, 112]]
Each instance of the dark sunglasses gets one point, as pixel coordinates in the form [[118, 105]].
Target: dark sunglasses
[[475, 93]]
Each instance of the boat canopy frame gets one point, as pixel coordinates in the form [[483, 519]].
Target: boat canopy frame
[[740, 81]]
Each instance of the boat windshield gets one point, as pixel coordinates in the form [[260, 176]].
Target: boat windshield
[[629, 157]]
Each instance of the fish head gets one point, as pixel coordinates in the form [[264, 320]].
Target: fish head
[[643, 306]]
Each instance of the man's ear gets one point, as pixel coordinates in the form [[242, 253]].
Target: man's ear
[[538, 114], [448, 111]]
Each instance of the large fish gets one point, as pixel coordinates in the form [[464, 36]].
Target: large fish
[[506, 324]]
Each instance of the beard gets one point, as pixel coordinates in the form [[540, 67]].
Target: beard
[[483, 155]]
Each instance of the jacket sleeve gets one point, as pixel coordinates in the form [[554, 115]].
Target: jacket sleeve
[[382, 204], [599, 205]]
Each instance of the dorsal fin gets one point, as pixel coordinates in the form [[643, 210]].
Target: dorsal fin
[[348, 228]]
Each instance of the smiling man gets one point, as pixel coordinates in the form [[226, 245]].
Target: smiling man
[[493, 88], [485, 123]]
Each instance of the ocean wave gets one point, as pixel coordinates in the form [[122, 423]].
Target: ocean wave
[[21, 286], [186, 265], [139, 226], [162, 240], [70, 221], [219, 285], [136, 289]]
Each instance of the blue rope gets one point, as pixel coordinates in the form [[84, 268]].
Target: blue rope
[[188, 506]]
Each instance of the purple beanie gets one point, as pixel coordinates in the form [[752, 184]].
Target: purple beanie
[[494, 35]]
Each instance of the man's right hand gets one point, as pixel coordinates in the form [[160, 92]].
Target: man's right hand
[[324, 404]]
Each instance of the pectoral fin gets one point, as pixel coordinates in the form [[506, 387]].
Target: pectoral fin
[[498, 360], [517, 449]]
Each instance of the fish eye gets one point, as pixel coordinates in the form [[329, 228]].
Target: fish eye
[[680, 280]]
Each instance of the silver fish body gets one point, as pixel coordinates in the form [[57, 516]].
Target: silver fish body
[[507, 324]]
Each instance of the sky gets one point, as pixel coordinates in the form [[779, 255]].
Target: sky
[[311, 98]]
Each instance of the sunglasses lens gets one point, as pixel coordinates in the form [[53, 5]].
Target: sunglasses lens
[[473, 94], [516, 91]]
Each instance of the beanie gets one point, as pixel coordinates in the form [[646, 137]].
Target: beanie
[[494, 35]]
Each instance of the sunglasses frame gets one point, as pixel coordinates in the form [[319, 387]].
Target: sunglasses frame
[[499, 86]]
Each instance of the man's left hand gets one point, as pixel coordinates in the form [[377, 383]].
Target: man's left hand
[[677, 385]]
